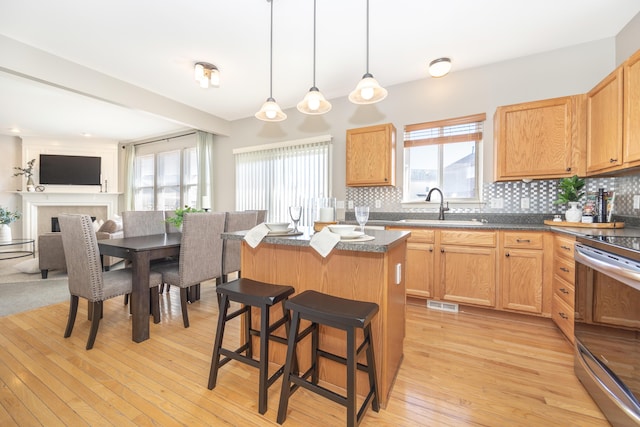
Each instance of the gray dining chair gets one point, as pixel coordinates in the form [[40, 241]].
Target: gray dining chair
[[236, 221], [200, 255], [143, 223], [85, 275]]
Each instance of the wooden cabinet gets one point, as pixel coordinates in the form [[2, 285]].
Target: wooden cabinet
[[613, 120], [563, 284], [420, 262], [522, 271], [466, 267], [541, 139], [526, 273], [371, 156]]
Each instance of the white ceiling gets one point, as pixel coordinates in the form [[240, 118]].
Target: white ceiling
[[153, 44]]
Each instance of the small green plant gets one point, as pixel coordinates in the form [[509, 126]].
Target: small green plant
[[176, 220], [7, 217], [570, 190]]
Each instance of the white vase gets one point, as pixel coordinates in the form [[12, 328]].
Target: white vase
[[574, 213], [5, 233]]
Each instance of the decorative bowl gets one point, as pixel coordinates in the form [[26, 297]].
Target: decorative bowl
[[278, 226], [342, 229]]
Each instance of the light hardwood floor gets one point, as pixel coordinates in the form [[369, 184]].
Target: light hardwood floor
[[474, 368]]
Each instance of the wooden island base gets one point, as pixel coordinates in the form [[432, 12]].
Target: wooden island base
[[365, 276]]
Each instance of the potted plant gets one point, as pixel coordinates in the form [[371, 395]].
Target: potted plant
[[176, 220], [28, 172], [6, 218], [570, 193]]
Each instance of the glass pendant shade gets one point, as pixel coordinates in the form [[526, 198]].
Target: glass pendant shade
[[271, 112], [368, 91], [314, 103], [207, 75]]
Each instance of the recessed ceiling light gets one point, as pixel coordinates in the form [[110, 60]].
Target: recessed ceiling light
[[14, 130], [85, 134]]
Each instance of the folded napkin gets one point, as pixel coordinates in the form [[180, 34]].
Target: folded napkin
[[256, 234], [324, 241]]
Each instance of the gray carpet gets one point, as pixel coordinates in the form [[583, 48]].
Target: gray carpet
[[26, 295]]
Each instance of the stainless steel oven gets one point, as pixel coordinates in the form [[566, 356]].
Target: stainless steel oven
[[607, 324]]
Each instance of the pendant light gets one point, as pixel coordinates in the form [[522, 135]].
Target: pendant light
[[314, 102], [368, 90], [270, 110]]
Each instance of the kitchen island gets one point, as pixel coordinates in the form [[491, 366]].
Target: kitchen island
[[368, 271]]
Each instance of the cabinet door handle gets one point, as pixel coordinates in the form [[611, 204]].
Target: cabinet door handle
[[613, 160], [523, 240], [568, 169], [507, 254], [441, 250], [566, 248], [566, 270], [431, 249], [564, 316], [563, 290]]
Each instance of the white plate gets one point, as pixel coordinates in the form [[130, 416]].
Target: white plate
[[288, 232], [352, 235], [363, 238]]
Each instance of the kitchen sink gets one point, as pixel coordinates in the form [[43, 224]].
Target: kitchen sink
[[442, 222]]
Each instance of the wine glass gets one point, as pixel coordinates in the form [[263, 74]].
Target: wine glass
[[362, 216], [295, 212]]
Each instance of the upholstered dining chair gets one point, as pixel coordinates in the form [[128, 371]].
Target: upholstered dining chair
[[236, 221], [143, 223], [85, 275], [200, 255]]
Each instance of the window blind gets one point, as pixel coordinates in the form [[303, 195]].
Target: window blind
[[460, 129]]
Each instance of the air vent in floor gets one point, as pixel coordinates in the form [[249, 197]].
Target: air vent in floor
[[442, 306]]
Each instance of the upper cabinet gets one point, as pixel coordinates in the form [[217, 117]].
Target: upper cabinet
[[613, 120], [371, 155], [541, 139]]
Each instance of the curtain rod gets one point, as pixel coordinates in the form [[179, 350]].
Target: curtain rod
[[165, 139]]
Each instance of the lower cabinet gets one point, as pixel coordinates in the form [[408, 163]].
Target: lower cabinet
[[523, 285], [467, 267], [564, 272], [503, 270]]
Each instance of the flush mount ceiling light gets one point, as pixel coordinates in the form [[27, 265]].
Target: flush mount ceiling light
[[270, 111], [314, 102], [207, 74], [440, 67], [368, 90]]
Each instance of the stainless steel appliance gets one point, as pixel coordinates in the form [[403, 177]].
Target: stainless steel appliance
[[607, 324]]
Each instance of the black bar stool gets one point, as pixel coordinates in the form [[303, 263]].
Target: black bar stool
[[250, 293], [334, 312]]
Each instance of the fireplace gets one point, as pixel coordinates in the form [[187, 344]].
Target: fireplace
[[39, 208]]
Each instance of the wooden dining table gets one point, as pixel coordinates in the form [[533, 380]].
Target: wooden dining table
[[141, 250]]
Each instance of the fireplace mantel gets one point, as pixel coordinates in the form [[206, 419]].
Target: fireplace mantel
[[32, 200]]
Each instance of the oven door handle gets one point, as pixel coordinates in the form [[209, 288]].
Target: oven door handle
[[608, 265]]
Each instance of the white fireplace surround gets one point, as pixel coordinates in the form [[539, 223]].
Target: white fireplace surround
[[31, 201]]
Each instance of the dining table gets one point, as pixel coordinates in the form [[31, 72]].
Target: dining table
[[141, 250]]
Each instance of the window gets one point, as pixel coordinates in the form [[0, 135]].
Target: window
[[276, 176], [166, 180], [443, 154]]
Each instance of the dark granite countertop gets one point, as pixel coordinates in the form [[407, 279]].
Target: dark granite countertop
[[384, 239]]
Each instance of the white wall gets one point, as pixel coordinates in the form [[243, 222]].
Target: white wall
[[628, 40], [11, 157], [561, 72]]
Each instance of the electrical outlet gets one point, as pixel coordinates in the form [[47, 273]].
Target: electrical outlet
[[378, 204], [524, 203], [636, 202], [340, 204], [350, 204], [497, 203]]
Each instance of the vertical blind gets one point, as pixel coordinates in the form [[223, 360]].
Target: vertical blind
[[276, 176]]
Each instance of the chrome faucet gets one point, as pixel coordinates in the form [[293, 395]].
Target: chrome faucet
[[442, 208]]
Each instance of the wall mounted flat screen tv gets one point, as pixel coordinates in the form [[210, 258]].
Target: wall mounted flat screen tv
[[69, 170]]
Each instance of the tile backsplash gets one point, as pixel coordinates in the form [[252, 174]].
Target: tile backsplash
[[541, 194]]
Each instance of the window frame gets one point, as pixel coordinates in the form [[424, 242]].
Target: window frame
[[440, 133]]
